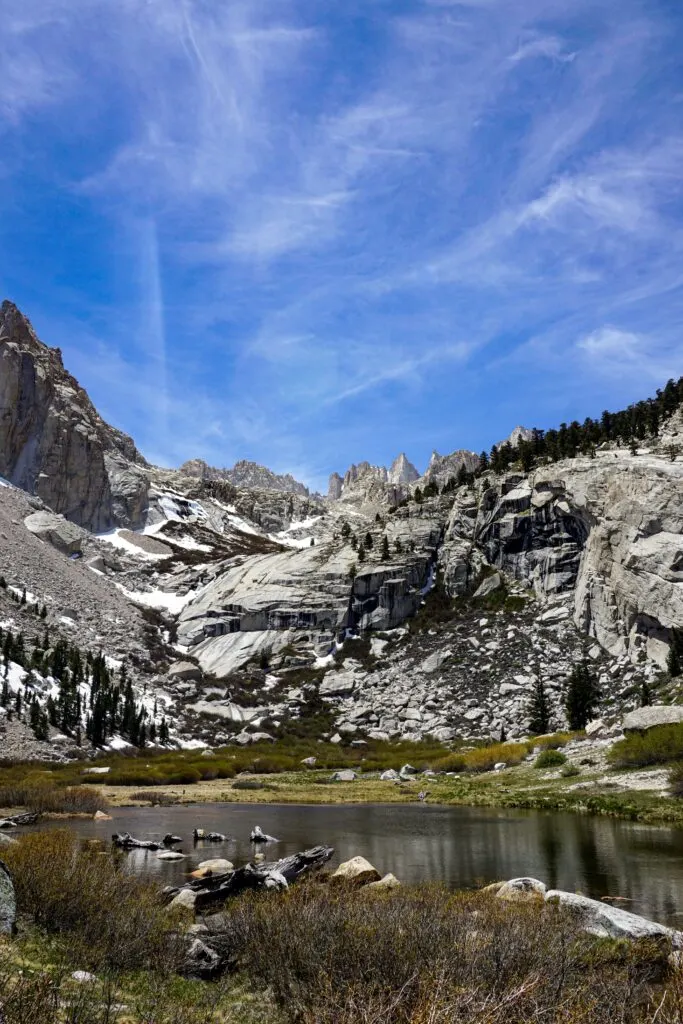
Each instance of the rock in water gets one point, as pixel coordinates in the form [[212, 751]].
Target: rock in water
[[8, 902]]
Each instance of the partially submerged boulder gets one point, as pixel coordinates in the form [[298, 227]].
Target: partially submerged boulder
[[214, 866]]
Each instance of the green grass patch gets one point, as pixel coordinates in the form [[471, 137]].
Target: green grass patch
[[660, 745]]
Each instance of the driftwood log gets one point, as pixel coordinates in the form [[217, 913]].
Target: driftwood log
[[30, 818], [259, 836], [125, 841], [278, 875]]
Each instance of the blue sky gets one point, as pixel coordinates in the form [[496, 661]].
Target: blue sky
[[310, 232]]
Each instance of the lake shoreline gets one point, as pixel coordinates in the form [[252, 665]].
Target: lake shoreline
[[515, 788]]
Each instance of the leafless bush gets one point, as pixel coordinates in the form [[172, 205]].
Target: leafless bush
[[115, 919], [427, 956]]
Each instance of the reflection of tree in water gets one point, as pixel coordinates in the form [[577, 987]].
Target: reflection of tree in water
[[551, 850], [593, 866]]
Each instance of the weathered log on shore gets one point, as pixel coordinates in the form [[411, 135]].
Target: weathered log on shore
[[277, 875], [29, 818]]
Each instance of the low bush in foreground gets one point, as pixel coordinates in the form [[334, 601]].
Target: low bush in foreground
[[550, 758], [428, 956], [116, 919], [656, 746]]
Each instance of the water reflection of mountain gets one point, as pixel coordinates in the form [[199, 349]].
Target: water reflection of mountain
[[457, 845]]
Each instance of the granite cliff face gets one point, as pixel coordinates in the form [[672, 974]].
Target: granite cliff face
[[409, 612], [54, 444]]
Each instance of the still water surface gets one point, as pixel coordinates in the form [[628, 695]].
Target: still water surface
[[461, 846]]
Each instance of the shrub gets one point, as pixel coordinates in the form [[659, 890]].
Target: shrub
[[656, 746], [49, 799], [550, 759], [555, 740], [450, 763], [116, 918], [183, 777], [416, 956], [569, 771], [484, 758]]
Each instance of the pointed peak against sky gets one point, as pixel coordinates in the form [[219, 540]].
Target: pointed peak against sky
[[402, 471], [248, 246]]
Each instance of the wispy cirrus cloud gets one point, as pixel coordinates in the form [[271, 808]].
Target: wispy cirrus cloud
[[344, 225]]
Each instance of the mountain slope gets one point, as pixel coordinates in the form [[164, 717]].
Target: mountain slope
[[53, 443]]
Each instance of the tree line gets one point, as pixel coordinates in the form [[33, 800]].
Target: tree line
[[106, 709]]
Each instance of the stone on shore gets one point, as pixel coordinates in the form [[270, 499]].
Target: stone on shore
[[358, 871], [522, 890], [611, 922]]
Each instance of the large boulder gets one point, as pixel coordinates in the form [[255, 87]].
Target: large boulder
[[8, 902], [185, 671], [57, 531], [646, 718], [344, 775], [358, 871], [522, 890], [610, 922], [489, 586]]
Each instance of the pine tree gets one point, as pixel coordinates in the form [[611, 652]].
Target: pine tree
[[384, 555], [645, 694], [361, 553], [163, 732], [674, 661], [582, 697], [539, 710], [368, 542], [398, 547]]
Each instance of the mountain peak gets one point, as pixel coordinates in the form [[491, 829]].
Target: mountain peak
[[402, 471]]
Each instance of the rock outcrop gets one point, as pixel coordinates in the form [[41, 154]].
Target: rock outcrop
[[245, 474], [443, 468], [53, 443], [402, 471]]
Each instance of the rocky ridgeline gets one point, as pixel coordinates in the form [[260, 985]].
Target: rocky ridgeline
[[54, 444], [264, 590], [246, 474]]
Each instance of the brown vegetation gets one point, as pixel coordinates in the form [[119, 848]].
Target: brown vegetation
[[428, 956]]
